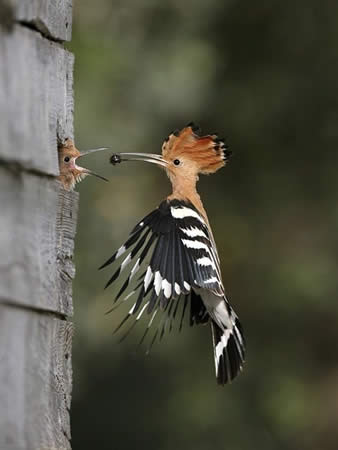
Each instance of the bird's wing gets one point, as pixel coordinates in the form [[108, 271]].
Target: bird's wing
[[182, 259]]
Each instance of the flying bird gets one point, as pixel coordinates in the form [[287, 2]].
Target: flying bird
[[175, 246], [70, 172]]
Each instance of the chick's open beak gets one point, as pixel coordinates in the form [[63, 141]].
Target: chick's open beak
[[87, 171]]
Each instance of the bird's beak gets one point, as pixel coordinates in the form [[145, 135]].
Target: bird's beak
[[147, 157], [87, 171], [93, 150]]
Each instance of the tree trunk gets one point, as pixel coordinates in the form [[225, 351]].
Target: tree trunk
[[37, 225]]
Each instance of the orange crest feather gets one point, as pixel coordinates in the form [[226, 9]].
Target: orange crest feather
[[209, 152]]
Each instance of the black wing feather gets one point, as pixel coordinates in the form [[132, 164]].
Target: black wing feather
[[181, 252], [175, 262]]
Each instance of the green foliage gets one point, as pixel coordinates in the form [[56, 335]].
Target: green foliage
[[266, 75]]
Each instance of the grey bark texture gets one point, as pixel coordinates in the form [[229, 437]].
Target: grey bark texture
[[37, 225]]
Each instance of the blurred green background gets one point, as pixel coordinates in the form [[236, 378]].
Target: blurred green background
[[264, 74]]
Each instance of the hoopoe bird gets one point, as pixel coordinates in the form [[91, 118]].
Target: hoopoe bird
[[183, 262], [70, 172]]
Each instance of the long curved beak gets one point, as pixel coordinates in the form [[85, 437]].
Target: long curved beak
[[90, 172], [93, 150], [87, 171], [117, 158]]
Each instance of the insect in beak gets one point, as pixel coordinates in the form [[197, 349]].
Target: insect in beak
[[117, 158]]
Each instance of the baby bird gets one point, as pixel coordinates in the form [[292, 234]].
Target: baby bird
[[183, 262], [70, 172]]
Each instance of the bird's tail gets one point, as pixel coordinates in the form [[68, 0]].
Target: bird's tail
[[229, 349]]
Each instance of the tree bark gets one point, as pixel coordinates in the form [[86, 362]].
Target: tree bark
[[37, 225]]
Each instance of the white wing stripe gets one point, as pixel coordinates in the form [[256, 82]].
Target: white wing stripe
[[205, 261], [197, 245], [120, 251], [211, 280], [128, 296], [158, 282], [166, 286], [183, 212], [134, 269], [141, 312], [152, 318], [194, 232], [126, 262], [148, 277], [132, 309]]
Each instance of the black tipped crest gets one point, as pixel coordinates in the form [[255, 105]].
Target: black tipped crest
[[195, 128], [222, 148], [208, 151]]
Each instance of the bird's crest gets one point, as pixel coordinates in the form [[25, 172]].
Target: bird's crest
[[209, 151]]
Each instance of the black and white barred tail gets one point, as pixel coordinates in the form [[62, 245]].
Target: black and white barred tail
[[174, 250], [229, 349], [227, 335]]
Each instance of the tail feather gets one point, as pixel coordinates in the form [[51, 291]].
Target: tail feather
[[228, 351]]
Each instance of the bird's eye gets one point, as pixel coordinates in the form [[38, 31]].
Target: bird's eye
[[177, 162], [66, 159]]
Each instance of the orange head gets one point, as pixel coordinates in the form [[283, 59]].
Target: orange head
[[188, 154], [185, 154], [70, 172]]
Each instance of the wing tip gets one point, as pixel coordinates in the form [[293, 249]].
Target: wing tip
[[107, 263]]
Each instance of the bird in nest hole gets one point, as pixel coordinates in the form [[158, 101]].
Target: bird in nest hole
[[70, 172]]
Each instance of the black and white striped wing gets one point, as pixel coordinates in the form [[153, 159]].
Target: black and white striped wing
[[180, 257]]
